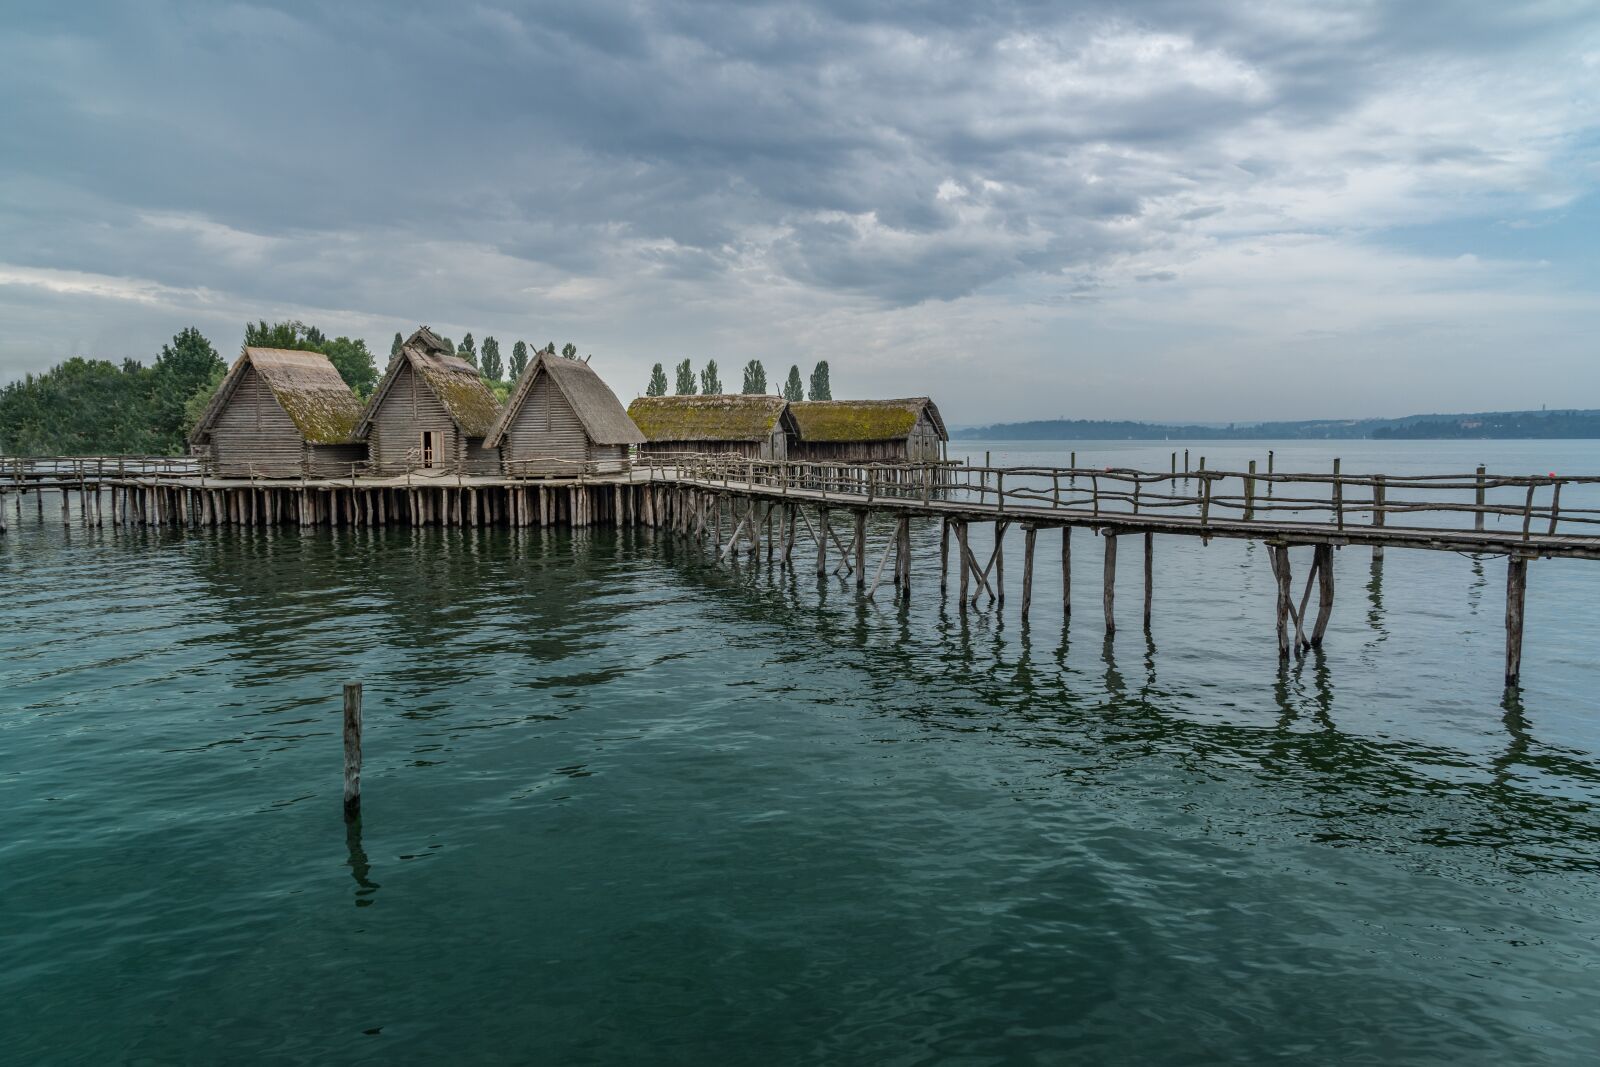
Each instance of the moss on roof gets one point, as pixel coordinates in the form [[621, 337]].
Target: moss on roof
[[860, 420], [728, 417], [466, 396], [305, 384]]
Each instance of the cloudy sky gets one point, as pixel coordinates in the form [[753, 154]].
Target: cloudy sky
[[1173, 209]]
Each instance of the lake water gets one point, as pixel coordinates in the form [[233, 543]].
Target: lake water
[[625, 805]]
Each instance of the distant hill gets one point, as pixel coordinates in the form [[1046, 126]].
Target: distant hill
[[1483, 424]]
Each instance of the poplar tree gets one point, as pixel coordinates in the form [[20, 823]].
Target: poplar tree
[[468, 351], [710, 384], [794, 389], [394, 348], [685, 385], [519, 359], [491, 365], [569, 351], [658, 382], [820, 389], [755, 377]]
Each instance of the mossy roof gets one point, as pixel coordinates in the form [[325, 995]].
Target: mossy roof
[[466, 397], [305, 384], [728, 417], [863, 420]]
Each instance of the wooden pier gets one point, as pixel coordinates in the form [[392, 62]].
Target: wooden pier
[[735, 505]]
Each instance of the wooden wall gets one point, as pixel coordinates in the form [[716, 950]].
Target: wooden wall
[[545, 428], [921, 445], [407, 410], [254, 435]]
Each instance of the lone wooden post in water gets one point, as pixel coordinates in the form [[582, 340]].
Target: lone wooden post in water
[[1516, 593], [1109, 594], [1066, 573], [1029, 533], [352, 750], [1149, 572]]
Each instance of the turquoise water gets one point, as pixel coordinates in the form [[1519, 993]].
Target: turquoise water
[[626, 805]]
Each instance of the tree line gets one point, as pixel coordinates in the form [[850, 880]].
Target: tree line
[[95, 406], [709, 381]]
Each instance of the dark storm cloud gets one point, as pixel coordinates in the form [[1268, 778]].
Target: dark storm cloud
[[380, 158]]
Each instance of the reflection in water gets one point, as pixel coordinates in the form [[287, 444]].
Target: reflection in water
[[1476, 587], [1375, 598], [366, 888]]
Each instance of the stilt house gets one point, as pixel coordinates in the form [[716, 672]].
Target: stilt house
[[562, 420], [280, 414], [757, 427], [868, 431], [431, 410]]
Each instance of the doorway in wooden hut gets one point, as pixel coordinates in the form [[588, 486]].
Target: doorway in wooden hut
[[430, 447]]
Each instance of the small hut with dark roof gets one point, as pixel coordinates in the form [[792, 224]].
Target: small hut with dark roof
[[561, 419], [868, 431], [279, 414], [755, 426], [432, 409]]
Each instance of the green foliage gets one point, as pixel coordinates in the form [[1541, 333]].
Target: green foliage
[[492, 367], [755, 377], [468, 351], [200, 399], [821, 389], [658, 382], [448, 344], [353, 362], [519, 359], [685, 383], [793, 389], [569, 351], [710, 384], [184, 367], [395, 346]]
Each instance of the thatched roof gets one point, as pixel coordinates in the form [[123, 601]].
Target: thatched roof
[[305, 384], [466, 397], [725, 417], [863, 420], [597, 407]]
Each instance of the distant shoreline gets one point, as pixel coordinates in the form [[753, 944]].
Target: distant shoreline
[[1566, 424]]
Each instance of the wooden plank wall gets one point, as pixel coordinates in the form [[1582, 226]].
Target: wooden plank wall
[[545, 427], [254, 435], [407, 410]]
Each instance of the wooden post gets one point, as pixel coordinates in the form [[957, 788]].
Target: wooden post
[[1477, 519], [1066, 572], [1250, 493], [1028, 536], [1379, 496], [1516, 593], [944, 555], [903, 554], [1338, 495], [861, 549], [1324, 565], [1280, 571], [1109, 594], [1149, 574], [961, 552], [352, 750], [1000, 562], [822, 542]]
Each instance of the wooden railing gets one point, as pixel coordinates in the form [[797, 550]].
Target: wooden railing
[[1529, 504]]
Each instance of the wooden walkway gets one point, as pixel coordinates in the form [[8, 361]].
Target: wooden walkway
[[738, 505]]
